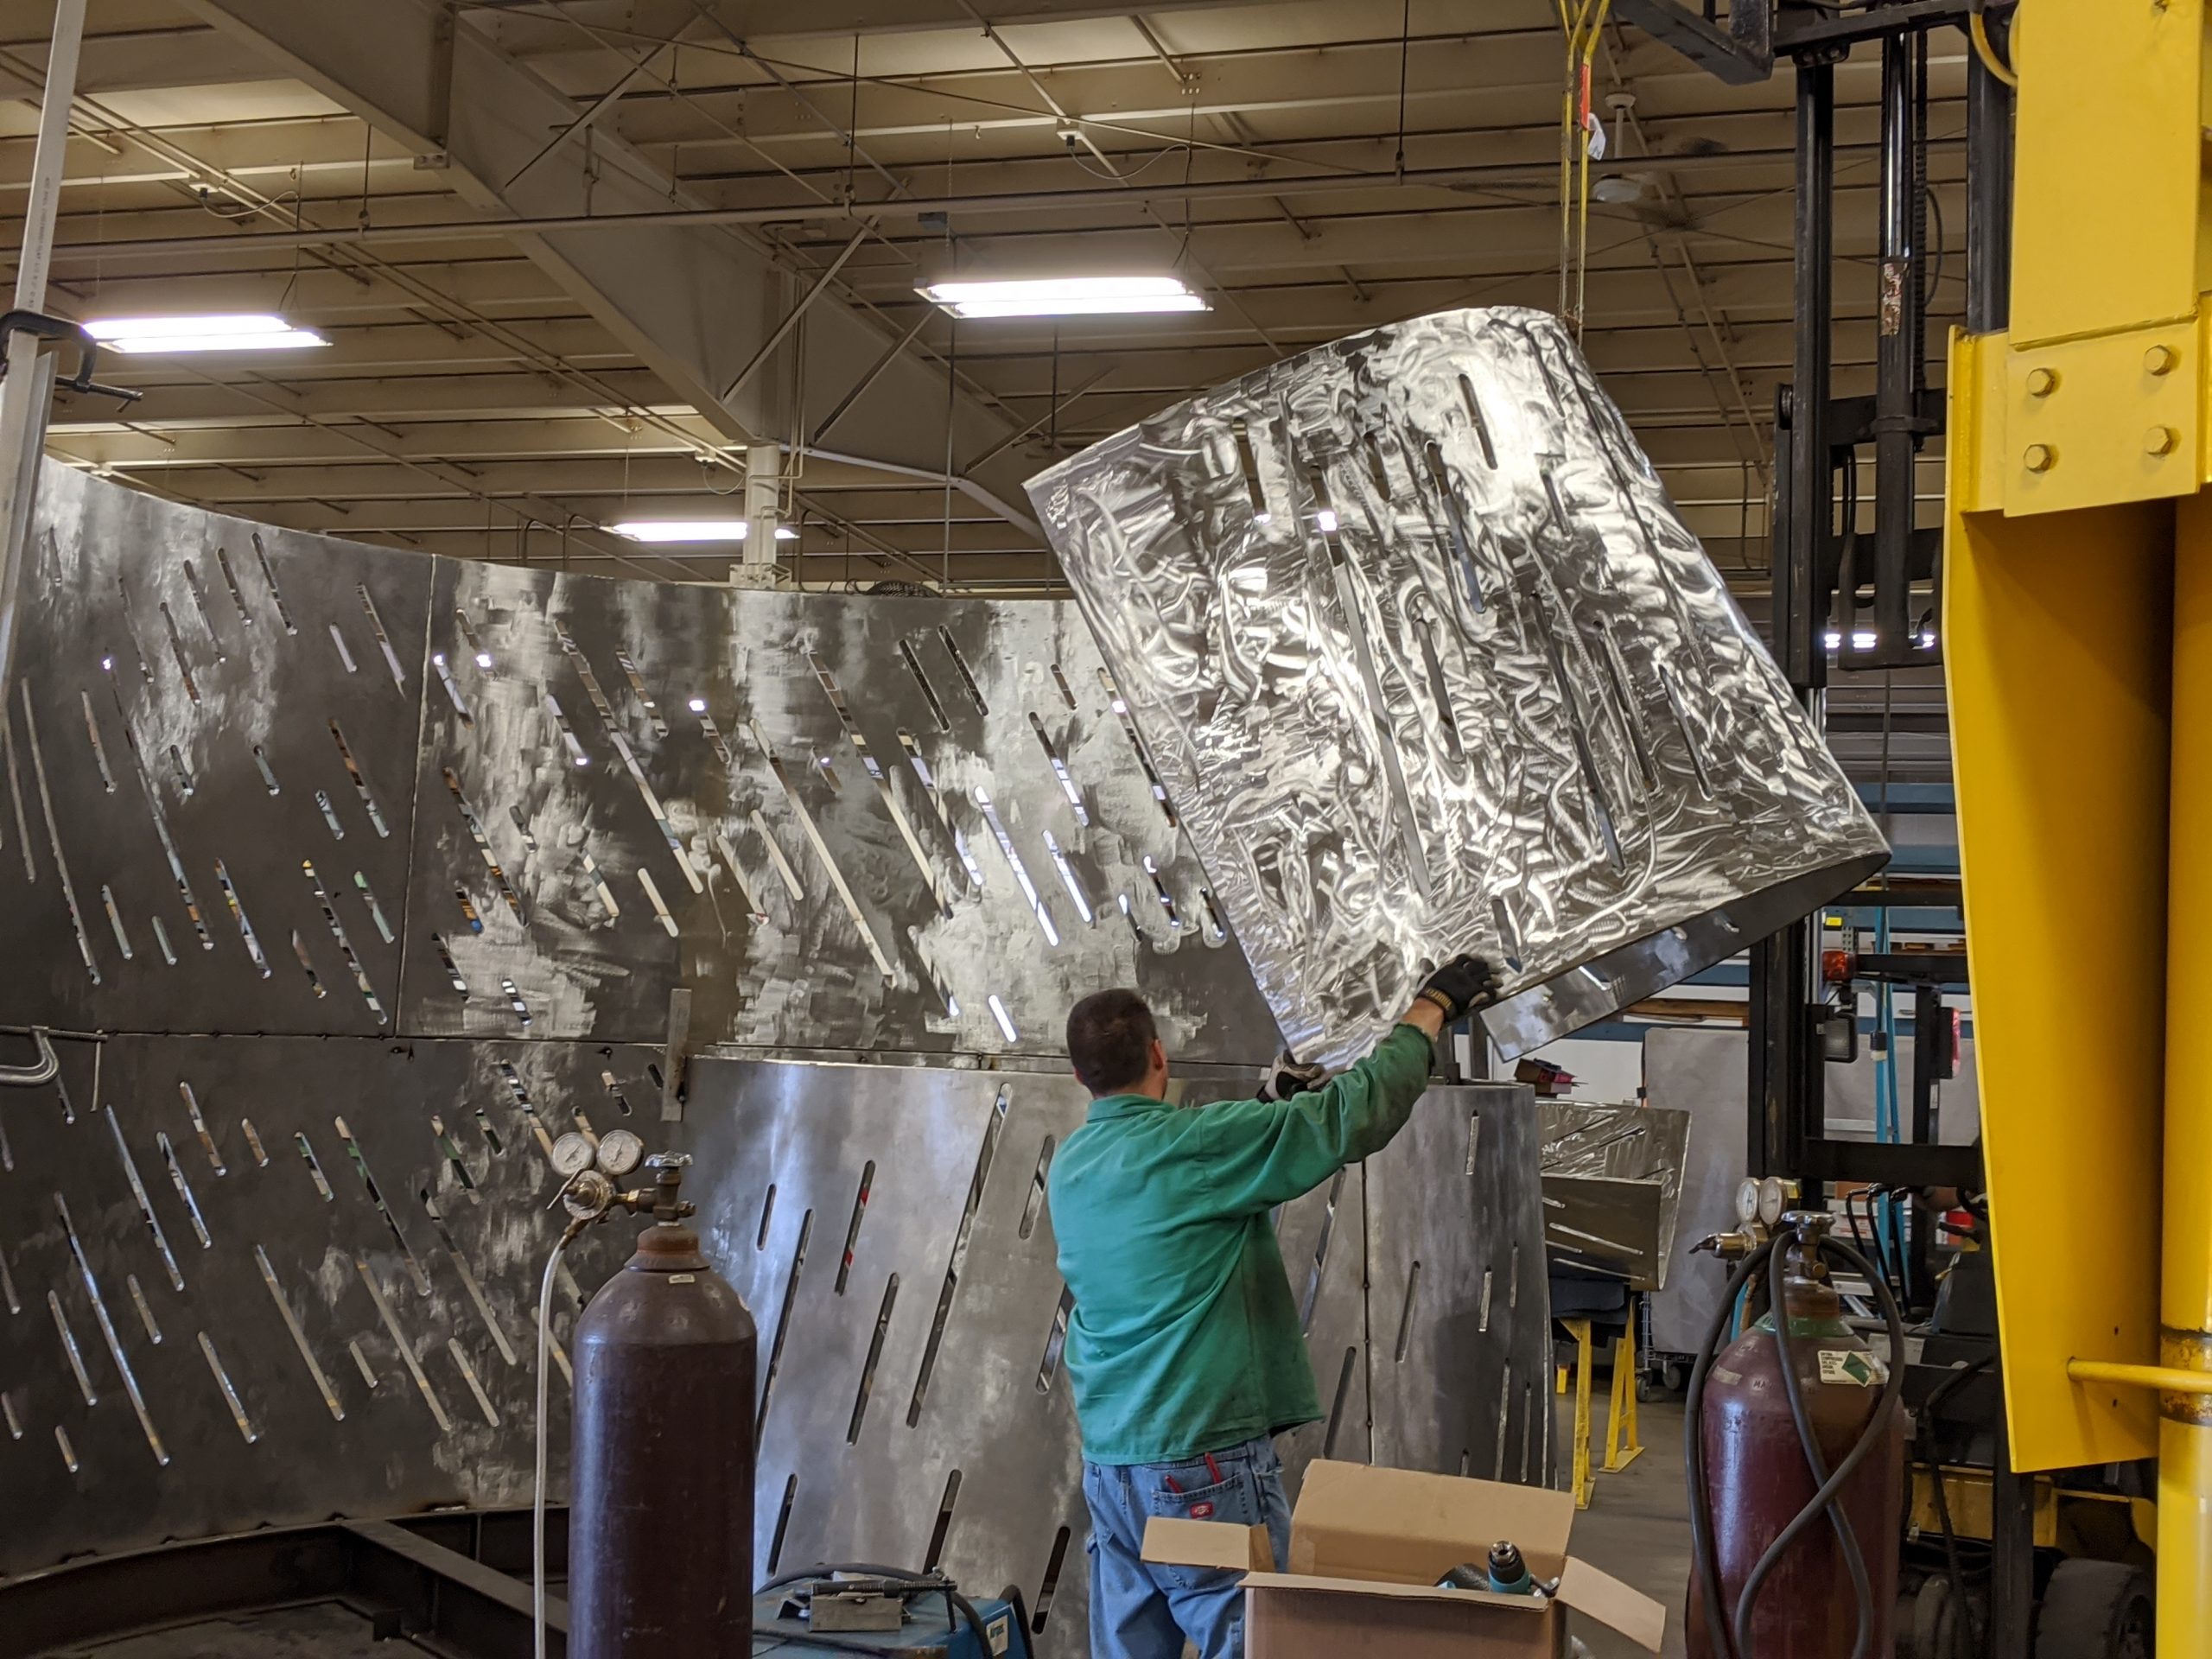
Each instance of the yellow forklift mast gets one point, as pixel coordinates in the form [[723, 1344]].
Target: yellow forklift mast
[[2077, 632]]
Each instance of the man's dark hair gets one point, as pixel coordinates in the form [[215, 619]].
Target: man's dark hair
[[1111, 1035]]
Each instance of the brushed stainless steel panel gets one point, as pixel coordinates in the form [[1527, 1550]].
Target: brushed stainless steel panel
[[209, 755], [261, 781], [1458, 1298], [374, 1221], [283, 1210], [843, 822]]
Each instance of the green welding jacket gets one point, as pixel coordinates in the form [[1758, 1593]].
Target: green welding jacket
[[1185, 1335]]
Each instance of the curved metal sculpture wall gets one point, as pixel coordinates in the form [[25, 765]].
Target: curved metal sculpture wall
[[262, 1281], [359, 876], [1431, 664], [264, 781]]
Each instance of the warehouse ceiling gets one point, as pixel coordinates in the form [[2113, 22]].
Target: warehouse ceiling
[[1312, 169]]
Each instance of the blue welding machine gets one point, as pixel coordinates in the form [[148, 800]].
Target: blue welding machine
[[930, 1624]]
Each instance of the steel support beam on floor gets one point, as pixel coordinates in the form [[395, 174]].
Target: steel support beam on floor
[[460, 1579]]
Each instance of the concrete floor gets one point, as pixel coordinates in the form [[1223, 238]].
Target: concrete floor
[[1636, 1526]]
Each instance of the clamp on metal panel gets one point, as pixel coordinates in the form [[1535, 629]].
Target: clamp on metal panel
[[61, 330]]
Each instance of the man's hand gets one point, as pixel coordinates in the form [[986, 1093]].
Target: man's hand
[[1286, 1077], [1465, 981]]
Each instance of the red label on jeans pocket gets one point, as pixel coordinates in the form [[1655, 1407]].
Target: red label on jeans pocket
[[1201, 1511]]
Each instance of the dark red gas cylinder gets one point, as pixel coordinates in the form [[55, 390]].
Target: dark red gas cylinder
[[660, 1520], [1757, 1479]]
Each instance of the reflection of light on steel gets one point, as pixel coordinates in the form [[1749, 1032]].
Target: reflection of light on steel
[[1067, 876], [1020, 870]]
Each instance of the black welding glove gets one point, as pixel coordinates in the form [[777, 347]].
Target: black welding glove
[[1465, 981], [1286, 1077]]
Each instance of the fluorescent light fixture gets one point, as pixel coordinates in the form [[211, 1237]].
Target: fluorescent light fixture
[[249, 331], [1063, 297], [1863, 640], [694, 530]]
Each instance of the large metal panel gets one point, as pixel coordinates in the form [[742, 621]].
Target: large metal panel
[[209, 752], [1430, 663], [890, 1229], [264, 1280], [845, 823], [248, 771], [306, 1287], [1613, 1187], [1458, 1299], [1324, 1245]]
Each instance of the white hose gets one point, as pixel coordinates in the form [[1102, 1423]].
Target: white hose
[[537, 1500]]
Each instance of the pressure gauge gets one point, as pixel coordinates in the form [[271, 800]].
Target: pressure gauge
[[1774, 1198], [572, 1156], [588, 1195], [619, 1152], [1747, 1201]]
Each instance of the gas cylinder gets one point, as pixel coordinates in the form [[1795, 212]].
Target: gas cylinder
[[1757, 1478], [660, 1520]]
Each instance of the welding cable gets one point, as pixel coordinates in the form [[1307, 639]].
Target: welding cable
[[1854, 1562], [1723, 1643], [537, 1496], [1013, 1597], [1828, 1497], [1924, 1437]]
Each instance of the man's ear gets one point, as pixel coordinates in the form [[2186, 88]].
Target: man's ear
[[1159, 1055]]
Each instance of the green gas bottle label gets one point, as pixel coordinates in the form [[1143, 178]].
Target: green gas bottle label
[[1851, 1365]]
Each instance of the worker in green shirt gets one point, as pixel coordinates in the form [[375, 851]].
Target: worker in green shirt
[[1184, 1349]]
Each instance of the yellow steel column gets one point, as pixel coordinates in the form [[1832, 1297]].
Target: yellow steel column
[[2078, 640], [2185, 1287]]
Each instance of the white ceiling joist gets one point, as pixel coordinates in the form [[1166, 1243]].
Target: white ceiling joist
[[696, 302]]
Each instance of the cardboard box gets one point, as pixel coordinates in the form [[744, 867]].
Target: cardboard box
[[1367, 1547]]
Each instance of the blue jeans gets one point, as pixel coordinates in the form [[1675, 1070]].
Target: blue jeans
[[1142, 1611]]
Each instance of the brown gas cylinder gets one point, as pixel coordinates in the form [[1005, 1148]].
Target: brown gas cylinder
[[660, 1524], [1758, 1478]]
